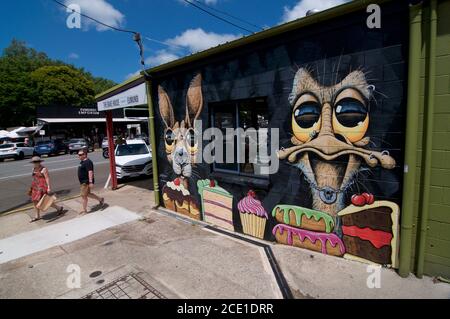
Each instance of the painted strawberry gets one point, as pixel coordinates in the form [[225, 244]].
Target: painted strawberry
[[358, 200], [177, 181], [251, 193], [369, 198], [212, 183]]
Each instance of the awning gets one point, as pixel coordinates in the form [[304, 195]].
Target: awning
[[90, 120]]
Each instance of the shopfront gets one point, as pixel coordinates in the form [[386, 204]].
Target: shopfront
[[339, 106]]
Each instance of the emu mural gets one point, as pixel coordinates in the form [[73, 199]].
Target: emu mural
[[330, 144]]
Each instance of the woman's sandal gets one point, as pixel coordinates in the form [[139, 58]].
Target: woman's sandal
[[82, 213], [35, 219], [60, 211]]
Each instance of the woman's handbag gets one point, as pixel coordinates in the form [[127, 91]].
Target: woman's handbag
[[45, 202], [30, 191]]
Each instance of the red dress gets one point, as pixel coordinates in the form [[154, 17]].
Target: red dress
[[38, 185]]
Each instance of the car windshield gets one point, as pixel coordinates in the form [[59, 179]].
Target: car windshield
[[131, 149], [76, 140], [6, 145]]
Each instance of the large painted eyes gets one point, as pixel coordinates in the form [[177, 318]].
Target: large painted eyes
[[306, 120], [190, 141], [350, 117], [169, 139]]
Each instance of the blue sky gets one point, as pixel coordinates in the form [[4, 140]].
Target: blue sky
[[42, 25]]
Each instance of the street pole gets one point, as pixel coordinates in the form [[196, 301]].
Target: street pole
[[111, 149]]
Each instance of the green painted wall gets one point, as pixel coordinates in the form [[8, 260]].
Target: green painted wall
[[437, 251]]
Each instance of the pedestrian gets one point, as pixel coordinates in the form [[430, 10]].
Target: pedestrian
[[87, 180], [40, 186]]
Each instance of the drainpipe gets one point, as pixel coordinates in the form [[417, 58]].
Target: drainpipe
[[412, 119], [151, 127], [428, 131]]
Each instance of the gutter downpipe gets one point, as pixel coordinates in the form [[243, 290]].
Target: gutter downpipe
[[412, 119], [428, 131], [151, 127]]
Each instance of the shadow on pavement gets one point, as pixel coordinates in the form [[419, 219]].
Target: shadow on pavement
[[144, 182]]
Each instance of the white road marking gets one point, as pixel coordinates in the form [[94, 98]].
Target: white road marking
[[37, 240], [50, 170]]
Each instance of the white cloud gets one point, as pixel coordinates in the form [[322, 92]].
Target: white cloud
[[300, 9], [100, 10], [74, 56], [161, 57], [197, 39], [131, 75]]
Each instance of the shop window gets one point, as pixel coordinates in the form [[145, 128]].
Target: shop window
[[251, 116]]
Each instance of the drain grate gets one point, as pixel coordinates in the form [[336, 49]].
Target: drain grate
[[130, 286]]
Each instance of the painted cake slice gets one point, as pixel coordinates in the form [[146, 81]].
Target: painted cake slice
[[370, 232], [217, 204], [177, 198]]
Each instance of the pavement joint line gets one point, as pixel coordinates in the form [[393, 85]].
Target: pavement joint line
[[276, 270]]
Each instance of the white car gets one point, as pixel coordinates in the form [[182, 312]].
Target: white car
[[15, 150], [133, 159]]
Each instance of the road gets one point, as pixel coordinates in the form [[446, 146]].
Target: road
[[15, 178]]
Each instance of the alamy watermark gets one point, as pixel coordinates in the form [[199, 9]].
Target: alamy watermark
[[238, 146], [73, 281], [73, 21]]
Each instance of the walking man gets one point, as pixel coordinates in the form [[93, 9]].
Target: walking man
[[86, 178]]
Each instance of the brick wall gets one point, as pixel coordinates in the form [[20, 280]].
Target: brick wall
[[437, 251]]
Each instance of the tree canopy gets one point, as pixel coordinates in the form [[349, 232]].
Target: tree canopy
[[29, 78]]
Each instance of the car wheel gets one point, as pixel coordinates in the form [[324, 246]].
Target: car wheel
[[1, 160]]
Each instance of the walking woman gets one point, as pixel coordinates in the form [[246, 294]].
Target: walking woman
[[40, 186]]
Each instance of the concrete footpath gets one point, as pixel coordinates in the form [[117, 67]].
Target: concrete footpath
[[129, 250]]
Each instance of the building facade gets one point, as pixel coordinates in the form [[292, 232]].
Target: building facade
[[351, 114]]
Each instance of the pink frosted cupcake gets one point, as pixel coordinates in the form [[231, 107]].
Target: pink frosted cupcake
[[253, 215]]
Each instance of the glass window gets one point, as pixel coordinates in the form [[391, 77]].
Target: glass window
[[131, 149], [251, 116]]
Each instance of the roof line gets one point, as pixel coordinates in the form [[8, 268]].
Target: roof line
[[315, 18], [274, 31]]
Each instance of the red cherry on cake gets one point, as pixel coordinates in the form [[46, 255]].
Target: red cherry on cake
[[177, 182], [251, 193], [358, 200], [212, 183], [369, 198]]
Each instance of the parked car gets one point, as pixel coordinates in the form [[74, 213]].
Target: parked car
[[76, 144], [50, 147], [15, 150], [133, 159], [142, 137]]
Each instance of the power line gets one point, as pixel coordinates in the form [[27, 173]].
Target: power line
[[217, 17], [229, 15]]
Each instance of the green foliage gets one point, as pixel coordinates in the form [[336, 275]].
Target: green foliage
[[29, 78], [62, 85]]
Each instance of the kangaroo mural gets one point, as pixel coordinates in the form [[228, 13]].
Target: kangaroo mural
[[181, 149], [330, 144]]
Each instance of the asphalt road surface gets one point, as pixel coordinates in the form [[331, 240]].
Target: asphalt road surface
[[15, 178]]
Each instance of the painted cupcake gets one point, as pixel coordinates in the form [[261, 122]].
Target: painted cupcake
[[253, 215]]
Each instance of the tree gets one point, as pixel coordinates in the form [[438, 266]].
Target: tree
[[20, 93], [62, 86]]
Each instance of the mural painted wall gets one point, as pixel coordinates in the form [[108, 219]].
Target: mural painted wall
[[336, 92]]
